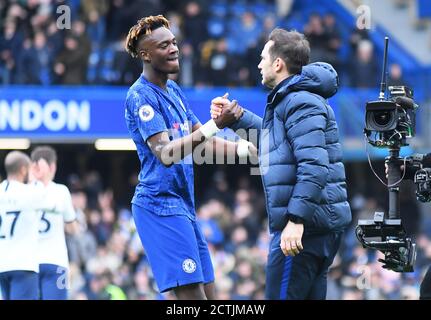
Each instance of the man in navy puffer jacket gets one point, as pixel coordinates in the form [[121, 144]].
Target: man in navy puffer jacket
[[300, 162]]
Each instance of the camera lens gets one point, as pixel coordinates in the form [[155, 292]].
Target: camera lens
[[382, 118]]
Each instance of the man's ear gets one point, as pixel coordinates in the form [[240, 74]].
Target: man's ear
[[24, 170], [279, 64], [145, 55]]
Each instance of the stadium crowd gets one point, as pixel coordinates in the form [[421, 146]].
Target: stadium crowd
[[220, 41]]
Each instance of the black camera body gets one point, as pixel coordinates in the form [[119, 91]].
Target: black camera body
[[392, 120]]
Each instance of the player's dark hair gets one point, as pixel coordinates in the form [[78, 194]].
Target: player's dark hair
[[44, 152], [290, 46], [141, 29], [14, 161]]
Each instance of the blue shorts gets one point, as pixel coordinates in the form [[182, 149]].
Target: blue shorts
[[175, 247], [53, 282], [19, 285]]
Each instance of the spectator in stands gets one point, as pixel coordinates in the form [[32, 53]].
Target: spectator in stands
[[95, 14], [126, 68], [142, 289], [10, 49], [245, 35], [188, 65], [79, 30], [71, 64], [315, 33], [209, 225], [396, 75], [333, 39], [363, 69], [356, 36], [220, 64], [83, 246], [118, 19], [195, 25], [219, 189], [34, 64]]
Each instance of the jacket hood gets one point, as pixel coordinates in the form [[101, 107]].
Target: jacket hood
[[319, 78]]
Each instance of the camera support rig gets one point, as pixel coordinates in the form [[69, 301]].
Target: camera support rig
[[385, 232]]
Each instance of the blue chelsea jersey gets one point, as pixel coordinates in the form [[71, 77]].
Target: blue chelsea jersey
[[151, 110]]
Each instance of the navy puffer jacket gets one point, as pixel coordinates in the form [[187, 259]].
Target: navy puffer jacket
[[300, 155]]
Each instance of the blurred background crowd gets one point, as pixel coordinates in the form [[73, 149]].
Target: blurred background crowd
[[108, 261], [220, 43]]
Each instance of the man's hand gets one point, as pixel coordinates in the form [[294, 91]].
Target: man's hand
[[217, 105], [290, 241], [225, 112], [253, 151]]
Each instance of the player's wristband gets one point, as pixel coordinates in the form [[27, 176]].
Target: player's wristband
[[242, 149], [209, 129]]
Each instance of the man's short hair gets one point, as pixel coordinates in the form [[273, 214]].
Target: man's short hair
[[14, 161], [291, 47], [141, 29], [44, 152]]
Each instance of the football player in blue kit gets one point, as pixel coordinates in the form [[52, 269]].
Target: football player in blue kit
[[166, 131]]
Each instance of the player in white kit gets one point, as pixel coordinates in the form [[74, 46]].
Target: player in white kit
[[19, 264], [52, 250]]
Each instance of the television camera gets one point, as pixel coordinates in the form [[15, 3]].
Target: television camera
[[389, 122]]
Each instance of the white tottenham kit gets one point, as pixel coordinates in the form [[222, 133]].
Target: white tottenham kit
[[52, 243], [19, 223]]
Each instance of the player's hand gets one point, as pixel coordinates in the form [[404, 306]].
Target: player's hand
[[290, 241], [225, 112], [217, 105], [252, 151]]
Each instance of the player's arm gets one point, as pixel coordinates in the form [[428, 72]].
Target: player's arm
[[232, 115], [222, 147], [170, 152], [72, 227], [69, 214], [218, 145], [153, 130], [306, 135]]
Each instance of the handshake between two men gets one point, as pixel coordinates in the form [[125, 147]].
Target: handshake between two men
[[225, 113]]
